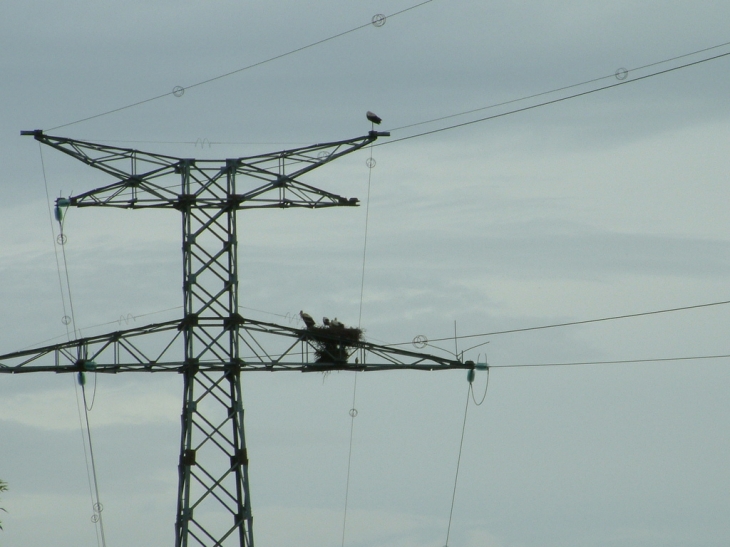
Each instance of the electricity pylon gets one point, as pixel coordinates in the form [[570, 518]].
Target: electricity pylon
[[212, 343]]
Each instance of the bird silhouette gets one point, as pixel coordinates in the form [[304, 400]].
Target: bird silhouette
[[308, 321], [373, 117]]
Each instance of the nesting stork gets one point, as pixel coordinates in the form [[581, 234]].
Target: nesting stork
[[308, 321]]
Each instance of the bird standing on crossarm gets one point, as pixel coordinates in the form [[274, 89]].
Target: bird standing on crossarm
[[308, 321]]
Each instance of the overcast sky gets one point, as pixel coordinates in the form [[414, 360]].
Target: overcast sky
[[608, 204]]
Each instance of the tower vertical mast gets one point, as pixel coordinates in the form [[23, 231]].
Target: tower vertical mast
[[212, 415]]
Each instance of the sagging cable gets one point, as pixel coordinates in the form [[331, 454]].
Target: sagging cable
[[96, 517], [470, 393]]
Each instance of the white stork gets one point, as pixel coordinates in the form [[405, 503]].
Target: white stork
[[373, 117], [308, 321]]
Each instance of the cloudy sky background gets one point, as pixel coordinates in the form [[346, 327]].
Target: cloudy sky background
[[613, 203]]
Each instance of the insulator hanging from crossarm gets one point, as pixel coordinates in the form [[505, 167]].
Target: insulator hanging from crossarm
[[475, 366], [61, 206]]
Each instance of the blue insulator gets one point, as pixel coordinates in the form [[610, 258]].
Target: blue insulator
[[82, 379], [470, 375], [61, 204]]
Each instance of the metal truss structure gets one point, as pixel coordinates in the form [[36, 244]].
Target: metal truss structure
[[212, 343]]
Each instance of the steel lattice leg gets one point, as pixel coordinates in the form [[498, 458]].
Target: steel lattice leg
[[213, 495]]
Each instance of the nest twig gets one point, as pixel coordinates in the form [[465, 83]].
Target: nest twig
[[331, 342]]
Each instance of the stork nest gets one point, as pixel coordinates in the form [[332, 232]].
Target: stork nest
[[331, 342]]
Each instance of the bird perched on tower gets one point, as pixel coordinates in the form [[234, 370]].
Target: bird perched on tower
[[373, 117], [308, 321]]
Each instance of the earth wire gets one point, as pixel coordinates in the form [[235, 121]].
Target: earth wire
[[232, 72]]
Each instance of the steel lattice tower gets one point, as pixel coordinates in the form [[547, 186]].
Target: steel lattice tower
[[212, 343]]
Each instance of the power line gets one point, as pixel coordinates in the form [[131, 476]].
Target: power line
[[100, 539], [132, 317], [177, 90], [586, 82], [553, 101], [353, 415], [582, 322], [458, 465], [432, 120], [97, 506], [353, 410], [202, 142], [86, 456], [53, 241], [618, 362], [90, 327], [370, 166]]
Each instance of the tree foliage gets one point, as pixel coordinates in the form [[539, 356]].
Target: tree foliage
[[3, 488]]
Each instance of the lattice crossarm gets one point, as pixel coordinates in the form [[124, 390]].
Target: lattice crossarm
[[121, 163], [116, 351], [137, 171], [135, 192], [326, 153], [282, 168], [319, 154], [285, 193], [307, 157]]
